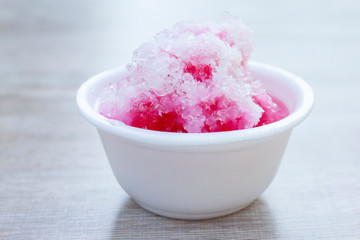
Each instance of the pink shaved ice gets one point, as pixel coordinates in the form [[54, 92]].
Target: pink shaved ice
[[193, 78]]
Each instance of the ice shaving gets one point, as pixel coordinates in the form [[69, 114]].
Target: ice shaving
[[193, 78]]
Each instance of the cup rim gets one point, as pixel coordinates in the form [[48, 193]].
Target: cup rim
[[160, 138]]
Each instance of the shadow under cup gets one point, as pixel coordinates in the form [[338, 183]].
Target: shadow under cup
[[198, 175]]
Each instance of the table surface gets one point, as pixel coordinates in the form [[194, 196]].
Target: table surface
[[55, 181]]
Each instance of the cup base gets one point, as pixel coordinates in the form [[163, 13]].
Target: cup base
[[191, 216]]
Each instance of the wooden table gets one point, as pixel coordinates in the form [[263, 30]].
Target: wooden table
[[55, 182]]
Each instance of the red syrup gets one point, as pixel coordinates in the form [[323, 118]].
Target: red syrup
[[200, 73], [213, 111], [271, 115], [157, 113], [161, 114]]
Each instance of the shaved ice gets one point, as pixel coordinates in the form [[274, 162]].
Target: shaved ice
[[193, 78]]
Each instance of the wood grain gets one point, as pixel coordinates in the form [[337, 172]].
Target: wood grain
[[55, 182]]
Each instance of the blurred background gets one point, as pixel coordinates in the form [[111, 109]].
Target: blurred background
[[54, 178], [309, 38]]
